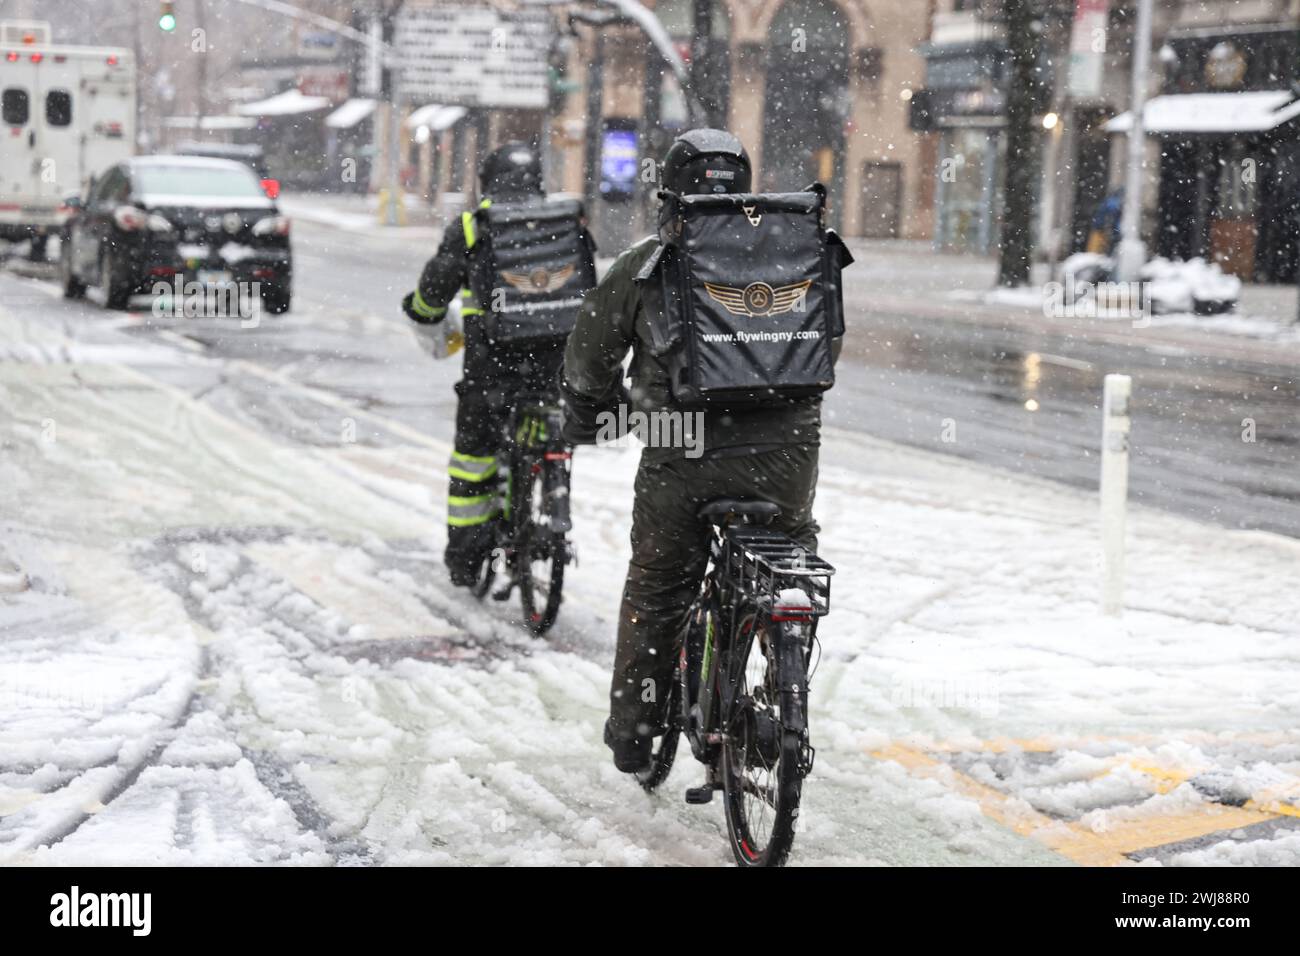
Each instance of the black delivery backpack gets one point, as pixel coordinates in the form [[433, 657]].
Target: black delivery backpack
[[743, 297], [531, 263]]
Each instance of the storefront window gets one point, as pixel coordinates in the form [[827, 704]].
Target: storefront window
[[1237, 197], [967, 183]]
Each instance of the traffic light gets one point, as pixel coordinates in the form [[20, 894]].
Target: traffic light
[[167, 17]]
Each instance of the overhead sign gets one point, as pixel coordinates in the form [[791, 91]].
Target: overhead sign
[[473, 56]]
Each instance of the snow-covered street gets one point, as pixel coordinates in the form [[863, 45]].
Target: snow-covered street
[[238, 643]]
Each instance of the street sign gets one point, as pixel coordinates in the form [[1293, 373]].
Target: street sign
[[473, 56], [371, 83], [1088, 47]]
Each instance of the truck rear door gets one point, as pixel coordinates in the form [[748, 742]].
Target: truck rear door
[[17, 133], [107, 105], [54, 116]]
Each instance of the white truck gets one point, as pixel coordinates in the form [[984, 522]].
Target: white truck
[[67, 113]]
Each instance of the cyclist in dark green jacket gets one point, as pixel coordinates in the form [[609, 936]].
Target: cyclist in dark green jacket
[[768, 453]]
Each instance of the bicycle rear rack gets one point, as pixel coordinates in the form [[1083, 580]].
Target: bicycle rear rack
[[771, 564]]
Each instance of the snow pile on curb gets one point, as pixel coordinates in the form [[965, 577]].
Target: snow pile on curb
[[1192, 286], [1173, 286]]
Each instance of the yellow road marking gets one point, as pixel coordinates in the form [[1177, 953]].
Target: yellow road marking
[[1016, 815], [1087, 846], [1143, 833], [1051, 744]]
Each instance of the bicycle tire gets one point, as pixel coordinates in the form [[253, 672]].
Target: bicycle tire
[[664, 753], [748, 720], [486, 575], [540, 619], [539, 616]]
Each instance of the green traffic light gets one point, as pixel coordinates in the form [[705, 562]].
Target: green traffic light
[[167, 22]]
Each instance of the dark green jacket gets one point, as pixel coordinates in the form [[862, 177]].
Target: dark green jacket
[[612, 321]]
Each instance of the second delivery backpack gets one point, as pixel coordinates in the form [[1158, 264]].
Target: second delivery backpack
[[531, 263]]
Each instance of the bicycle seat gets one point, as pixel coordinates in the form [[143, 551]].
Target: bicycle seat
[[722, 511]]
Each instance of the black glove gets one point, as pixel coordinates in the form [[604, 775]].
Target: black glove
[[408, 306], [584, 415]]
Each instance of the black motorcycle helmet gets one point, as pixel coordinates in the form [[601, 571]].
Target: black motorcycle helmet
[[706, 161], [512, 169]]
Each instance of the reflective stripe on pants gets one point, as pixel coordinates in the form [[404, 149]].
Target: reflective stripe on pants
[[472, 467], [463, 512]]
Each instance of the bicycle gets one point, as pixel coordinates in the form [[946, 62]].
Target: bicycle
[[531, 534], [739, 692]]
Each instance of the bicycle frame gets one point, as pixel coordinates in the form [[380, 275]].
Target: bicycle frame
[[533, 441], [532, 455]]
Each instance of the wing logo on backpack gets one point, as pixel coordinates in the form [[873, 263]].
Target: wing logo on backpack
[[540, 281], [758, 299]]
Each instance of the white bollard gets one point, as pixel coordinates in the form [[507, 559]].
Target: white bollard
[[1114, 490]]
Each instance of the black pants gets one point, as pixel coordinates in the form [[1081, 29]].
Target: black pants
[[485, 396], [670, 554]]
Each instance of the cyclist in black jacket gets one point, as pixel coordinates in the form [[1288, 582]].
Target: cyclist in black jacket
[[492, 375]]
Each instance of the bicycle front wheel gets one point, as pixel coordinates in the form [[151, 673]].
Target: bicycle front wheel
[[760, 759], [665, 752], [541, 555]]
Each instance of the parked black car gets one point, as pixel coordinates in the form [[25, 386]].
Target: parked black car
[[166, 218]]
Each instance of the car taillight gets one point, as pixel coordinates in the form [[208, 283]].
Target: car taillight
[[11, 56], [112, 60], [272, 226], [271, 187], [37, 57], [129, 219]]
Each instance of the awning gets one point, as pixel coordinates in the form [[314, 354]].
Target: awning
[[1212, 113], [288, 103], [436, 117], [213, 123], [350, 114]]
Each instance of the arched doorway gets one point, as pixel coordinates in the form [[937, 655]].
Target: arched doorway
[[806, 100]]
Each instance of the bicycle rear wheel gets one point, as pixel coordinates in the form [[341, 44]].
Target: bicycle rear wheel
[[760, 761]]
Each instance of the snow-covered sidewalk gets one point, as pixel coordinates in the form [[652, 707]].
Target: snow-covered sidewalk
[[911, 277], [237, 647], [360, 214]]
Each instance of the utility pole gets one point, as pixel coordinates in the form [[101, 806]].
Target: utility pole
[[702, 60], [201, 18], [137, 54], [1132, 253], [393, 211], [595, 112], [1022, 84]]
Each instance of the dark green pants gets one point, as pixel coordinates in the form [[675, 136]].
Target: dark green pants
[[670, 554]]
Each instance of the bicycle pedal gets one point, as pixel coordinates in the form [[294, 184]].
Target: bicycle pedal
[[700, 795]]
